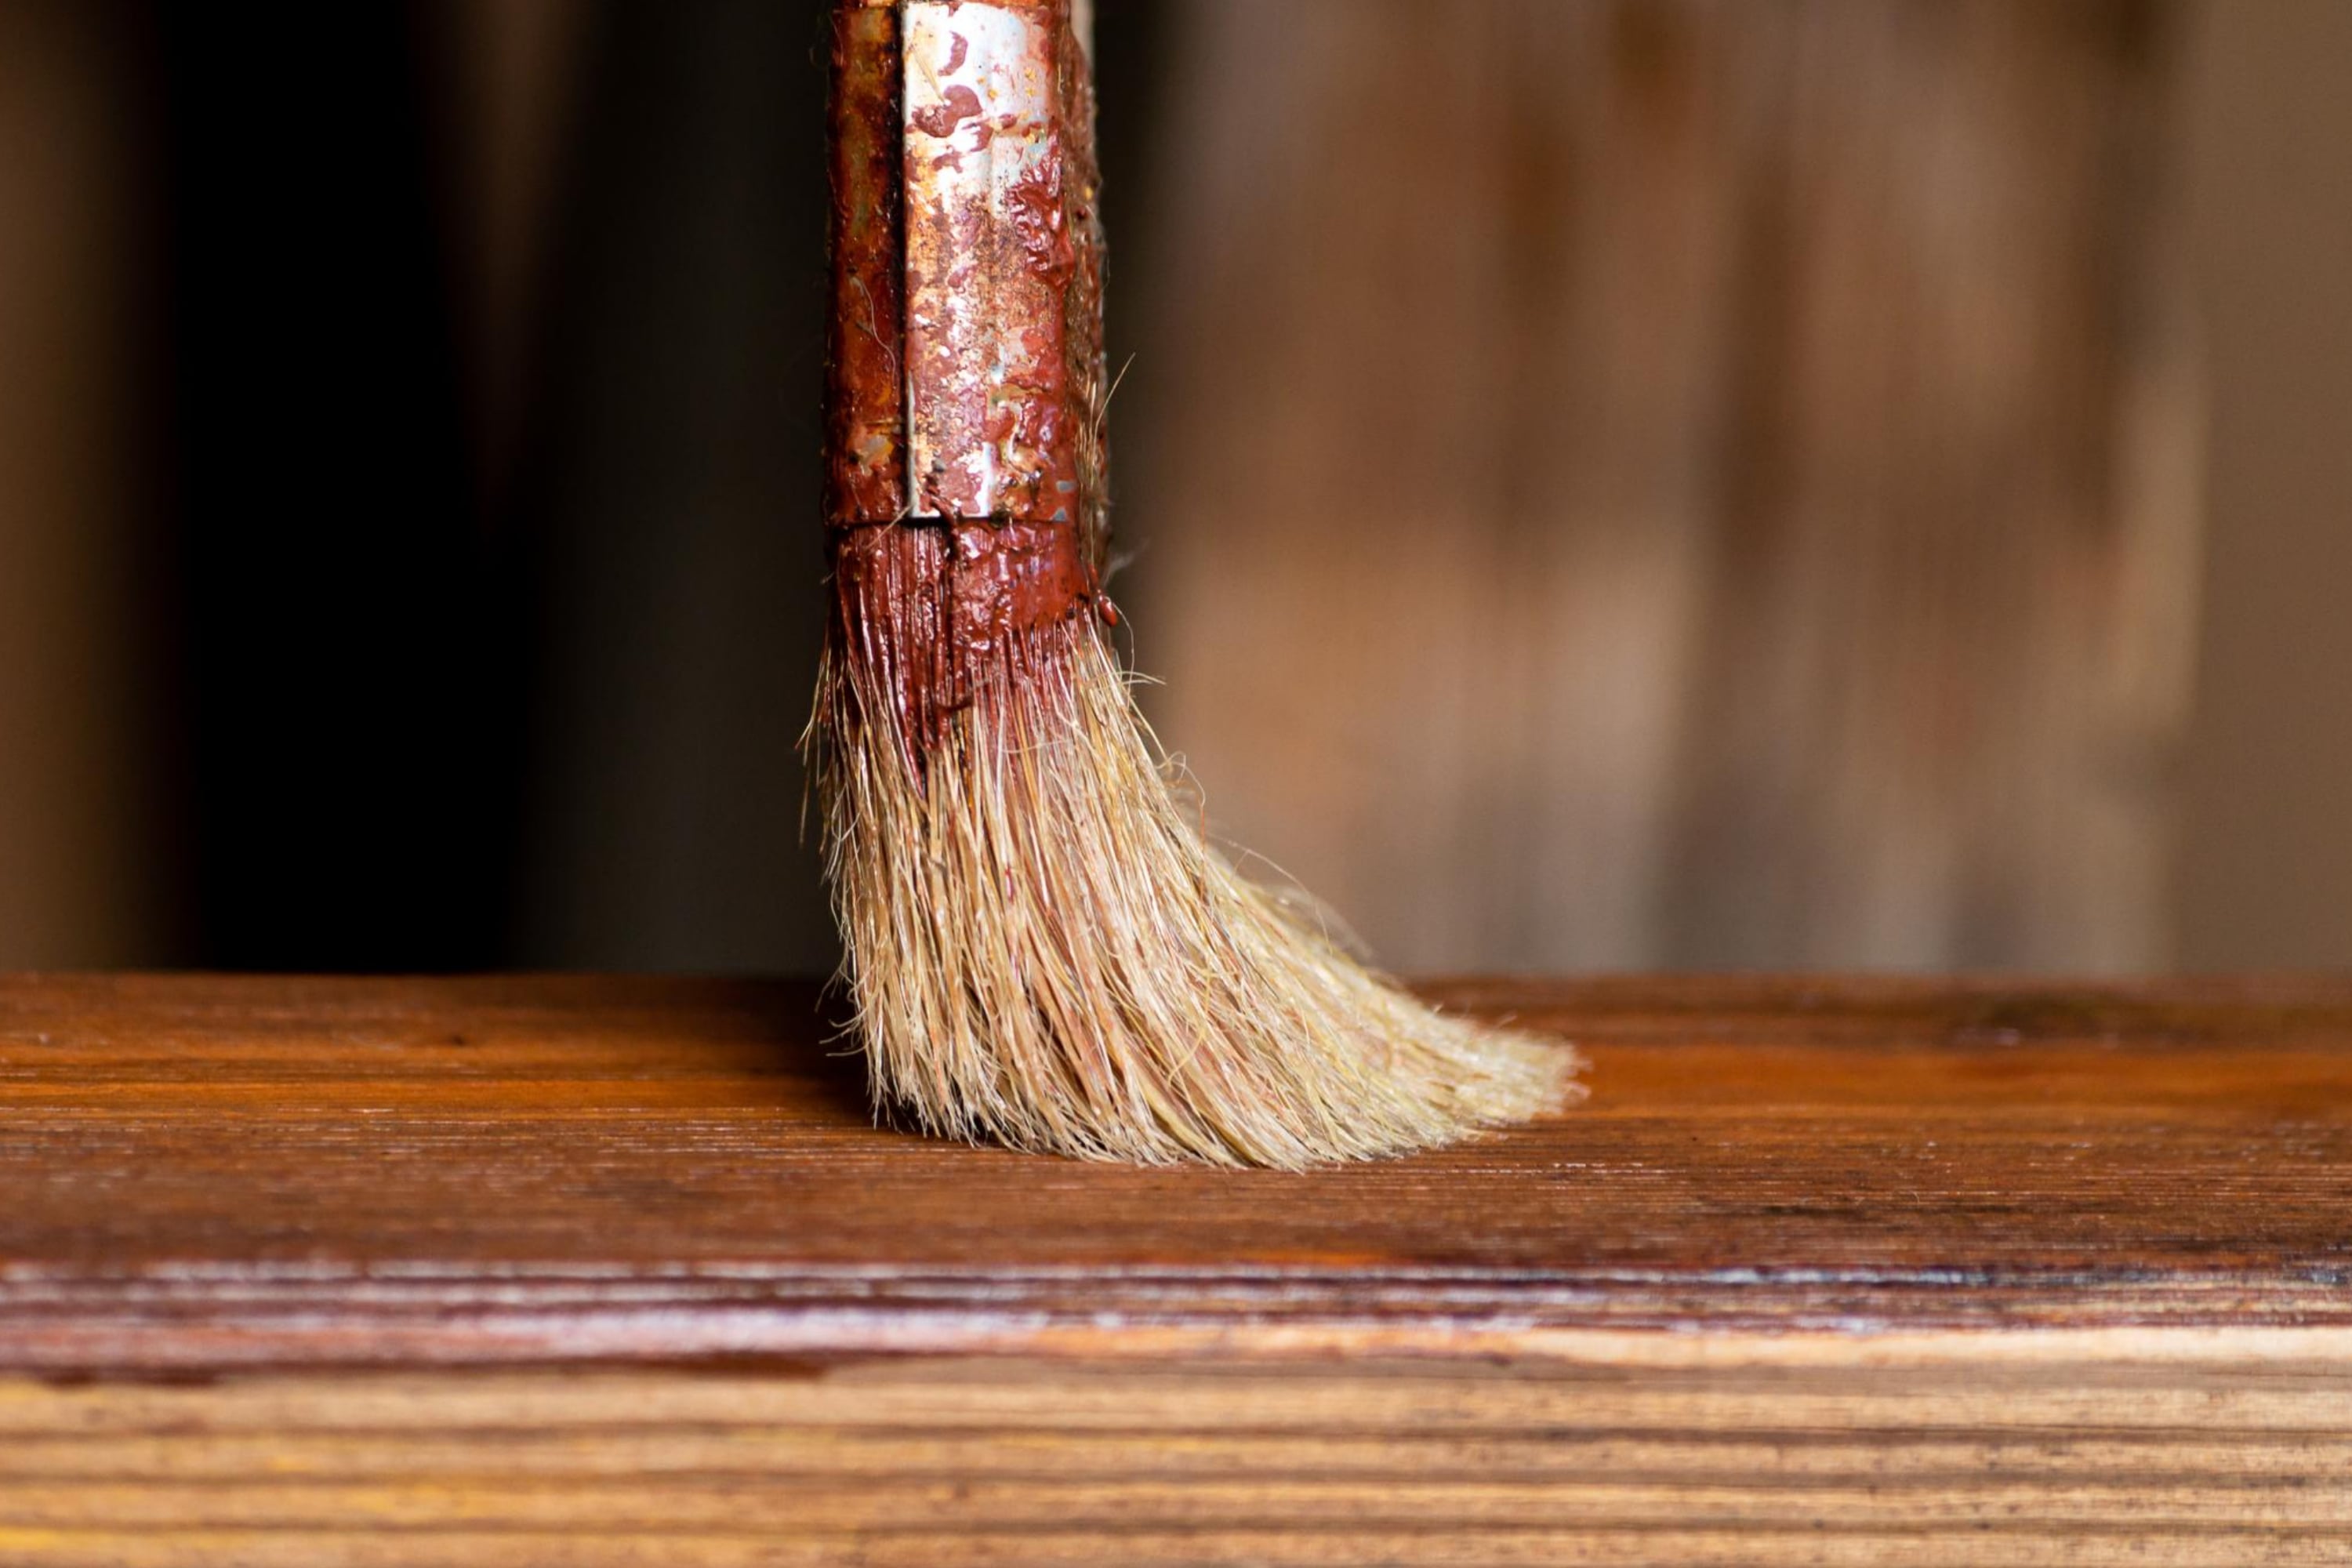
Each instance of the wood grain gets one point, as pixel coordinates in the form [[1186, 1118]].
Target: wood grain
[[595, 1270]]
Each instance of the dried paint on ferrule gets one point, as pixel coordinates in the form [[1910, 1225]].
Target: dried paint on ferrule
[[865, 412], [997, 406], [966, 364], [964, 463]]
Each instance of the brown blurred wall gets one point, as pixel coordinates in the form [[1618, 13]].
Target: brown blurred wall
[[2157, 772], [1678, 483], [2265, 876], [79, 880]]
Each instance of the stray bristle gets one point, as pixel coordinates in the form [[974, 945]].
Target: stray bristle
[[1043, 951]]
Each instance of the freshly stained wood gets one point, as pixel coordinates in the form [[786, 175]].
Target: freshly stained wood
[[574, 1270]]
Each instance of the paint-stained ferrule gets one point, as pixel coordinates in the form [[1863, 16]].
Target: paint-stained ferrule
[[986, 298], [964, 460], [866, 409]]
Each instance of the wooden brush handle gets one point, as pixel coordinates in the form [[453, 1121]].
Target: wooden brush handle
[[966, 364]]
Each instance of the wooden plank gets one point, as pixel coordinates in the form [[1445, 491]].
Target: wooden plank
[[610, 1270], [1025, 1460], [208, 1170]]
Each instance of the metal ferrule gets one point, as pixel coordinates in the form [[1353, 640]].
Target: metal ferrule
[[966, 366], [964, 461]]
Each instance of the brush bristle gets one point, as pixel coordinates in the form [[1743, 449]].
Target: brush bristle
[[1044, 953]]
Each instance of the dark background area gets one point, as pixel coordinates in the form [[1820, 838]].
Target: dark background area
[[408, 420], [471, 466], [353, 615], [458, 598]]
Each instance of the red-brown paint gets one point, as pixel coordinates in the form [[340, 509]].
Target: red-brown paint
[[964, 468], [929, 610], [866, 423]]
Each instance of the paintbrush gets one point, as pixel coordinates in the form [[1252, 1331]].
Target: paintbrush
[[1042, 949]]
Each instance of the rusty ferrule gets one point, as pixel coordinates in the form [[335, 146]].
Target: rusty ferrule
[[963, 477]]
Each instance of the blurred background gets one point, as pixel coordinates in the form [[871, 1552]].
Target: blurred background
[[1606, 483]]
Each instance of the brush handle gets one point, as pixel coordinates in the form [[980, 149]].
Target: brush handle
[[964, 492], [866, 411], [966, 366]]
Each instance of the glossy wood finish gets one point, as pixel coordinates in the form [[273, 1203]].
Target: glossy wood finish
[[614, 1270]]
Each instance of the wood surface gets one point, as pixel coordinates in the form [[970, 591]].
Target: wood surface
[[595, 1270]]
